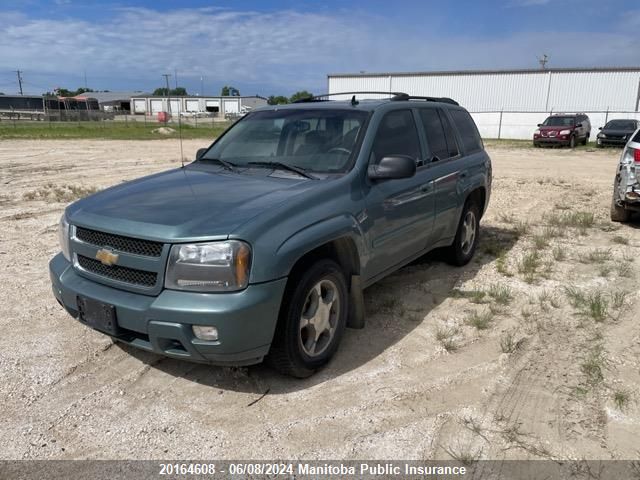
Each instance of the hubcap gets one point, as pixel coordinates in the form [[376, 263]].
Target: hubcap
[[468, 232], [319, 318]]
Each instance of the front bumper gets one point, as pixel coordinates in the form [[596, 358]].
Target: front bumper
[[552, 140], [611, 142], [245, 320]]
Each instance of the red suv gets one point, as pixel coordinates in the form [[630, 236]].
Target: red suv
[[563, 129]]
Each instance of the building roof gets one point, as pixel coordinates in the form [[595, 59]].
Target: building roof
[[487, 72], [110, 96]]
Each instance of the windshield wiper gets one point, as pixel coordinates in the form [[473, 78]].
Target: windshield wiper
[[285, 166], [224, 163]]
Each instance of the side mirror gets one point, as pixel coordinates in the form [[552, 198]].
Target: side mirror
[[539, 124], [200, 153], [599, 128], [393, 167]]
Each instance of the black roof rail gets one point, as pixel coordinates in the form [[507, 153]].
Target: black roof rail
[[404, 97], [322, 98]]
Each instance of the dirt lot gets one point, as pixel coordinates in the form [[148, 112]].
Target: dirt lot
[[531, 351]]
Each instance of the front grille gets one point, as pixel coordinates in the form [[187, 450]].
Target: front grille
[[136, 246], [116, 272]]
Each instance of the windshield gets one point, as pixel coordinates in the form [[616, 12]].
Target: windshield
[[314, 140], [621, 125], [559, 122]]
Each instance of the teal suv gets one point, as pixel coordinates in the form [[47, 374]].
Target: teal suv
[[262, 246]]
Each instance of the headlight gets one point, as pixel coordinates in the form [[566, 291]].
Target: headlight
[[537, 132], [63, 236], [565, 132], [209, 267], [602, 135]]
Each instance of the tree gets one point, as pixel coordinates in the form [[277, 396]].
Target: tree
[[178, 92], [228, 91], [300, 95], [277, 100], [64, 92]]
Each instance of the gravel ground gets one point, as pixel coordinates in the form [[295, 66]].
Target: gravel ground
[[531, 351]]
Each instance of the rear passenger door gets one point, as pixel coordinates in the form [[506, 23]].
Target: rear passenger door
[[446, 169]]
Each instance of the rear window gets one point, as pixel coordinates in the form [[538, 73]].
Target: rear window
[[468, 130]]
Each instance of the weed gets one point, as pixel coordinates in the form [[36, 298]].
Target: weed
[[521, 228], [617, 299], [464, 454], [501, 266], [59, 193], [559, 254], [597, 256], [481, 321], [540, 241], [529, 265], [508, 343], [605, 270], [580, 220], [507, 218], [500, 293], [445, 335], [526, 313], [621, 398], [474, 296], [624, 269], [593, 365], [559, 206], [619, 239]]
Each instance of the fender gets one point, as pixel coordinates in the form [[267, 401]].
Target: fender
[[315, 235]]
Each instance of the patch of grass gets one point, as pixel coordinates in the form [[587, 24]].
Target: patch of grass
[[559, 254], [617, 299], [621, 398], [111, 129], [580, 220], [481, 321], [624, 269], [593, 304], [619, 239], [593, 365], [501, 266], [59, 193], [526, 313], [546, 298], [521, 228], [446, 337], [528, 266], [508, 343], [560, 206], [605, 270], [597, 256], [500, 293], [507, 218]]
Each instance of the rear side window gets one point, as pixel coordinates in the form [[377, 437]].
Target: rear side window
[[439, 133], [396, 135], [468, 131]]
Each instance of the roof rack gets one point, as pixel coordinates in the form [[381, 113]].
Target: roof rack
[[404, 96], [395, 97], [322, 98]]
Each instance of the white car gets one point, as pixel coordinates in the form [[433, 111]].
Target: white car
[[626, 186]]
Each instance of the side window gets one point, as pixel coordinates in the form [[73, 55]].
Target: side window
[[396, 135], [440, 135], [468, 131]]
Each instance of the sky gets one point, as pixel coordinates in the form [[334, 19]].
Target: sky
[[277, 47]]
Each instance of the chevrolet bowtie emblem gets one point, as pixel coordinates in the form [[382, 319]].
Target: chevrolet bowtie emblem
[[106, 257]]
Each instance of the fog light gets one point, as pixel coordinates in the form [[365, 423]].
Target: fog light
[[205, 332]]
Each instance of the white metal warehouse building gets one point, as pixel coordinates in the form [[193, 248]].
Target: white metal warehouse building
[[509, 103], [219, 106]]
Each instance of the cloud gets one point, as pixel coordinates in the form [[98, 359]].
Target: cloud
[[278, 52]]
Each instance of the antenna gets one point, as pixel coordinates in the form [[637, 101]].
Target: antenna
[[19, 72], [543, 61]]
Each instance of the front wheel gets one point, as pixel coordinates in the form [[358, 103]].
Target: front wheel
[[466, 240], [313, 317]]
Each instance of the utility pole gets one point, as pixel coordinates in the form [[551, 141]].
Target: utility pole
[[166, 77], [543, 61], [19, 72], [85, 80]]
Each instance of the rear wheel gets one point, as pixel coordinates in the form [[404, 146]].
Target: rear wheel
[[312, 320], [572, 142], [466, 240], [618, 213], [586, 138]]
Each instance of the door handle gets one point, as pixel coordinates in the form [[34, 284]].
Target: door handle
[[426, 187]]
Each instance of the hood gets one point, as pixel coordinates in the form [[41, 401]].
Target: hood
[[617, 131], [184, 204]]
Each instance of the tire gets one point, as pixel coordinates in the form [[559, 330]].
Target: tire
[[572, 142], [295, 350], [586, 138], [536, 145], [618, 213], [465, 243]]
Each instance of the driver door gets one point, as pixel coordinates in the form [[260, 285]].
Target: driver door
[[400, 211]]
